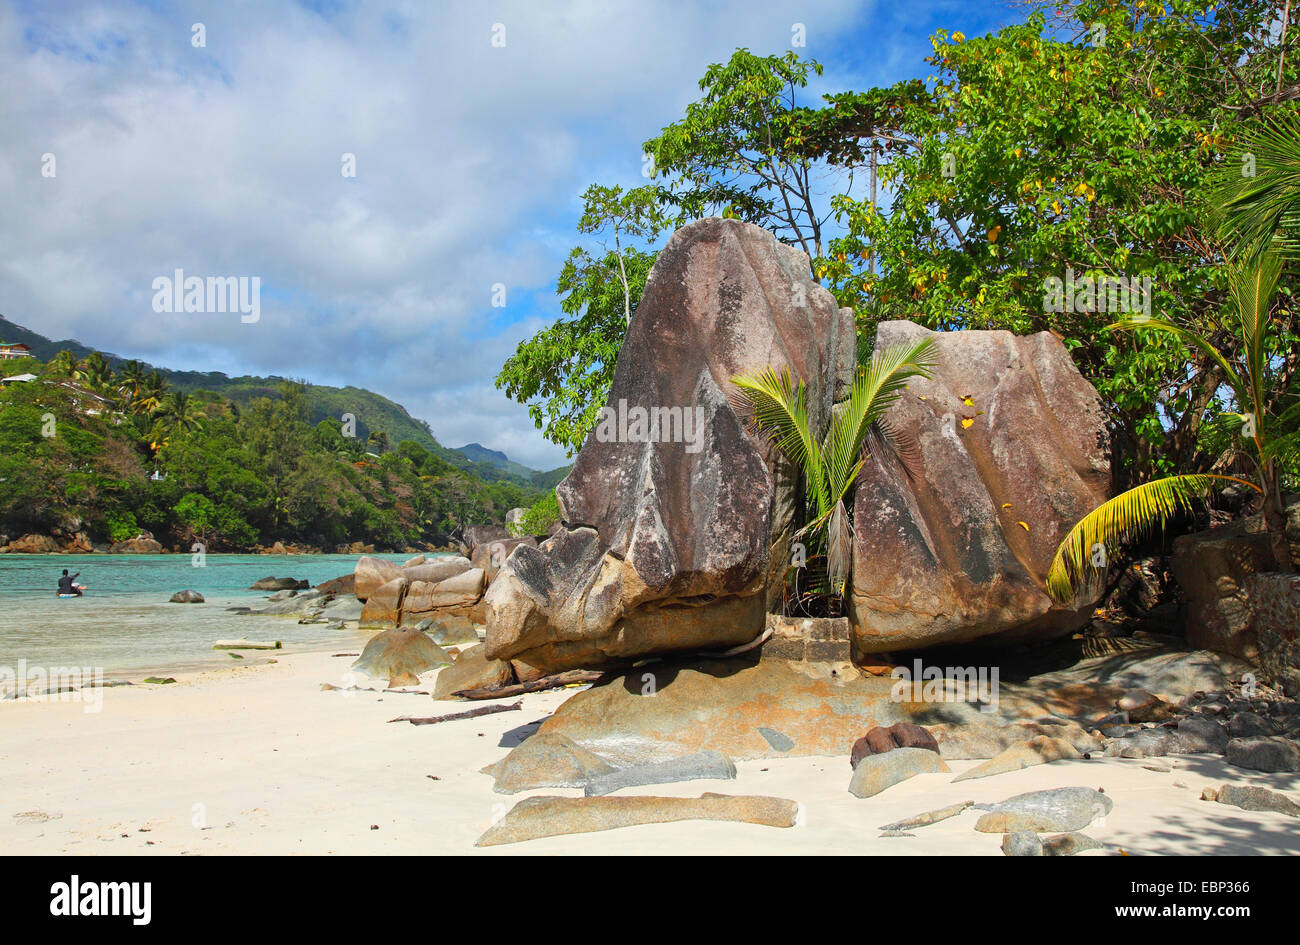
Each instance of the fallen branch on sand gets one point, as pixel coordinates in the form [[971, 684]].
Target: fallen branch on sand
[[568, 678], [471, 714]]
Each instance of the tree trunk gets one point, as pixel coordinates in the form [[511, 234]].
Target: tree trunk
[[1275, 517]]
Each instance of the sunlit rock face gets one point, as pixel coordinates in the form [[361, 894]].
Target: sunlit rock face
[[672, 506], [1006, 449]]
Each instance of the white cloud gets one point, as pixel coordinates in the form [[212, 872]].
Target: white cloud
[[226, 161]]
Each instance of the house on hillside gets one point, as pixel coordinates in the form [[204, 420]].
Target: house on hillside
[[14, 351], [18, 379]]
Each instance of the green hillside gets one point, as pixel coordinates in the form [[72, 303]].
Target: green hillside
[[373, 412]]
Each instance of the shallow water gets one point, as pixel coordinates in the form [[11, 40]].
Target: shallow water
[[125, 623]]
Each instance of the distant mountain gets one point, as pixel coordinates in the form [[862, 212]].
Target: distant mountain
[[372, 411]]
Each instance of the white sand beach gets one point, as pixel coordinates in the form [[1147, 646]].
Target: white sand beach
[[257, 759]]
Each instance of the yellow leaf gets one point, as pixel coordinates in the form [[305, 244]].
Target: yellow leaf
[[968, 400], [1023, 525], [959, 37], [966, 422], [993, 233], [1056, 205], [1006, 505], [1016, 152]]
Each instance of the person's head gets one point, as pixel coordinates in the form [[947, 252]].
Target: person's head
[[65, 572]]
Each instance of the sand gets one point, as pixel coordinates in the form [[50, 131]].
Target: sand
[[256, 759]]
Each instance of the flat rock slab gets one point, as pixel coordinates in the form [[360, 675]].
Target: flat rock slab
[[875, 773], [537, 817], [1040, 750], [929, 817], [703, 765], [1057, 810], [1264, 753], [663, 711], [1257, 798], [963, 742], [549, 760]]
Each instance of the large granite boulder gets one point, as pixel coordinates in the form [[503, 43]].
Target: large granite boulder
[[372, 573], [400, 656], [1227, 607], [672, 505], [1005, 449]]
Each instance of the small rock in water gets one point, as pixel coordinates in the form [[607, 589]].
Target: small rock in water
[[186, 597]]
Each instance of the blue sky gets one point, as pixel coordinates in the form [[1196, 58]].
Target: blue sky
[[225, 160]]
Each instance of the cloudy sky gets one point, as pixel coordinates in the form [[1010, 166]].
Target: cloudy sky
[[226, 160]]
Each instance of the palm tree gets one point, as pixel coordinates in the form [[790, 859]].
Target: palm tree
[[1258, 190], [152, 390], [831, 466], [64, 364], [95, 372], [183, 413], [1084, 552], [131, 380]]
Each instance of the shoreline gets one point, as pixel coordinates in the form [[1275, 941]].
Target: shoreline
[[257, 759]]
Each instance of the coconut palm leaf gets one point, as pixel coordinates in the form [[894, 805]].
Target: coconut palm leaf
[[1231, 377], [1127, 516], [1253, 209], [1251, 287], [874, 391], [780, 411]]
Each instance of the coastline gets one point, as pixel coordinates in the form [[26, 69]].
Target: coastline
[[256, 759]]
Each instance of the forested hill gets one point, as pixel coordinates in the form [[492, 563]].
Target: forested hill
[[373, 412]]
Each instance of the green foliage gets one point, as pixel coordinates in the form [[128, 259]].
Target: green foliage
[[564, 371], [124, 454], [736, 149], [830, 466], [1044, 148], [120, 525], [541, 517]]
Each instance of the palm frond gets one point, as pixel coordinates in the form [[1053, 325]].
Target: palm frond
[[1254, 207], [1251, 287], [1133, 322], [1129, 515], [780, 411], [874, 391]]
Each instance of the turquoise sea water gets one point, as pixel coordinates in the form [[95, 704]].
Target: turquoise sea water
[[125, 623]]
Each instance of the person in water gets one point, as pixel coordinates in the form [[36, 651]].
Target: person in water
[[65, 583]]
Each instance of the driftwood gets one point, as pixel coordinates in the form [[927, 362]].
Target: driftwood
[[471, 714], [246, 645], [568, 678]]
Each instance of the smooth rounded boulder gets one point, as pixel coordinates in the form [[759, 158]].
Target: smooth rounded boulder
[[673, 502], [1005, 447], [400, 655]]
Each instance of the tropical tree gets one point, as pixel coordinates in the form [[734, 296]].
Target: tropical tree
[[182, 413], [1259, 190], [64, 364], [130, 381], [153, 389], [735, 149], [1088, 546], [95, 372], [830, 466]]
